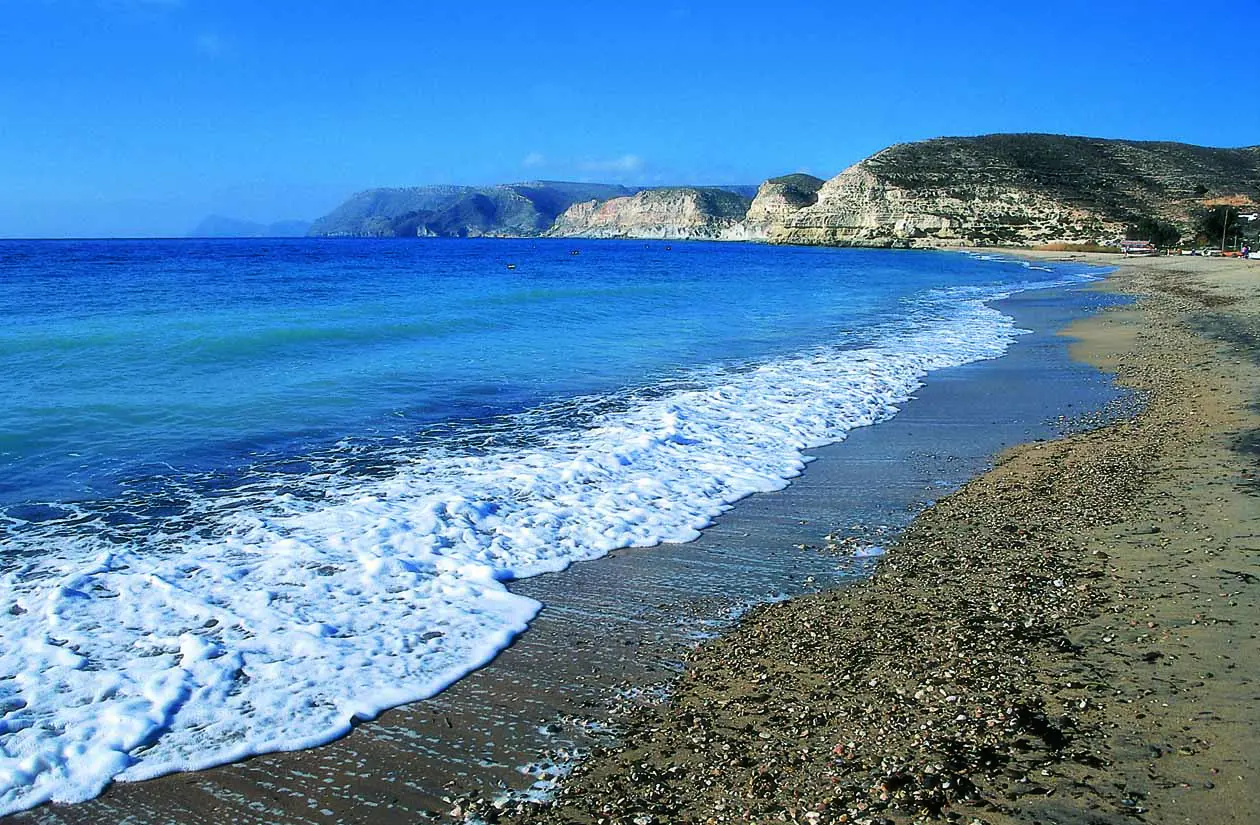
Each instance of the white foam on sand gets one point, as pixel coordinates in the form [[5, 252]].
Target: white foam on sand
[[279, 626]]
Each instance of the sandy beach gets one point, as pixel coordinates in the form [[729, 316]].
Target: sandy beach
[[1071, 637]]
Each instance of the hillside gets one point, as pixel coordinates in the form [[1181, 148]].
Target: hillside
[[1009, 189], [513, 210], [778, 198], [1023, 189], [678, 213], [508, 210]]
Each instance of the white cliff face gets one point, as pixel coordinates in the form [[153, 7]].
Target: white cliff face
[[861, 208], [695, 214], [666, 214], [776, 201]]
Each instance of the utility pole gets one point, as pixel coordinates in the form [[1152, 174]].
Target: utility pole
[[1224, 226]]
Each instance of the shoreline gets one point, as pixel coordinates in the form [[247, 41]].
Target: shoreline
[[1068, 638], [626, 622]]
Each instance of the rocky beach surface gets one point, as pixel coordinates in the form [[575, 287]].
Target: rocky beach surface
[[1070, 637]]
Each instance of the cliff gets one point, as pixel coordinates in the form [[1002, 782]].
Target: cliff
[[1019, 190], [776, 200], [672, 213], [510, 210]]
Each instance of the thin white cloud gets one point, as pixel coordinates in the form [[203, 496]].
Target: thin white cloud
[[626, 164], [534, 160], [210, 44]]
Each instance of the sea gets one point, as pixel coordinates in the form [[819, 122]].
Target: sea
[[253, 492]]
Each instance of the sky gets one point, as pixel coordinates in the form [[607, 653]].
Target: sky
[[140, 117]]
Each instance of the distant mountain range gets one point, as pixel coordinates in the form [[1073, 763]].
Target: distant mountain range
[[993, 190], [217, 226]]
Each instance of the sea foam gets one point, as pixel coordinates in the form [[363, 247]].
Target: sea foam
[[280, 624]]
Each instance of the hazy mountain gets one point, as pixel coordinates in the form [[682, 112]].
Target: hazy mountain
[[218, 226]]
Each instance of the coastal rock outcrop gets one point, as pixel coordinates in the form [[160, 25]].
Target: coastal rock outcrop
[[668, 214], [1018, 190], [776, 200]]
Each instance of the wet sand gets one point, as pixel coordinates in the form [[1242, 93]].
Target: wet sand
[[1069, 638], [616, 630]]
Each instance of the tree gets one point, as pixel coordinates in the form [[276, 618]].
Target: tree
[[1160, 233], [1220, 221]]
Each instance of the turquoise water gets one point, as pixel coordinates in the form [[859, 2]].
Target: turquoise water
[[126, 359], [254, 490], [122, 358]]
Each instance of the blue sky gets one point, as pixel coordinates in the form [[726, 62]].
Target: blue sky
[[139, 117]]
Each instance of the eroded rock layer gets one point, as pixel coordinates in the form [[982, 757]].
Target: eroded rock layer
[[669, 214], [778, 199]]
